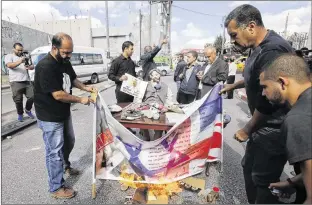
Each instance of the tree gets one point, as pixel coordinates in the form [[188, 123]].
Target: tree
[[218, 43]]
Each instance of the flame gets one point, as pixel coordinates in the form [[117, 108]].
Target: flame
[[167, 189]]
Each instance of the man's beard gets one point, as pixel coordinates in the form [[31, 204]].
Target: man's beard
[[61, 59], [238, 48], [276, 98]]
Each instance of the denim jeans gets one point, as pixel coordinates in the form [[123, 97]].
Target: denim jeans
[[59, 140]]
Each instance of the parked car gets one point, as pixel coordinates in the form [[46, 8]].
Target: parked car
[[163, 67]]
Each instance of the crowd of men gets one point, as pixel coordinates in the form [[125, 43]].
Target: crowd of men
[[277, 83]]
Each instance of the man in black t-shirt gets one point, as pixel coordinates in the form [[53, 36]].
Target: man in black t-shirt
[[265, 155], [287, 81], [54, 79]]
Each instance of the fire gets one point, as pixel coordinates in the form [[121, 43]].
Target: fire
[[167, 189]]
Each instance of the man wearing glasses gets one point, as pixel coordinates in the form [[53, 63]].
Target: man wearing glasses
[[54, 79], [20, 81]]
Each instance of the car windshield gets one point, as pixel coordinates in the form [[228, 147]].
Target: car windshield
[[37, 57]]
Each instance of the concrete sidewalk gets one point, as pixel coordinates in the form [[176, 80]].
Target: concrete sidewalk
[[9, 121]]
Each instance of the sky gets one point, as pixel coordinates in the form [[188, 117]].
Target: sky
[[189, 29]]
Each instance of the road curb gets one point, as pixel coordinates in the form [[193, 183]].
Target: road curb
[[4, 87], [29, 122]]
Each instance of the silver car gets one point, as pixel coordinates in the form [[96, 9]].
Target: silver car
[[163, 67]]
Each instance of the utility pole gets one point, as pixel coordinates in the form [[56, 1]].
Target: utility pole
[[286, 25], [107, 33], [17, 20], [140, 30], [223, 37], [169, 27], [150, 23]]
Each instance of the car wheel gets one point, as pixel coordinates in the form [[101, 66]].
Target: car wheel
[[140, 74], [164, 73], [94, 78]]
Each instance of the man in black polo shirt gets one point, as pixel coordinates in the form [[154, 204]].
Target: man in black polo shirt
[[287, 81], [120, 66], [54, 79], [265, 155]]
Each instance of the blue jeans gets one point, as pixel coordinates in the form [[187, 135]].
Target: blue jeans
[[59, 140]]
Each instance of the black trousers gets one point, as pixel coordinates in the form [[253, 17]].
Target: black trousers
[[261, 168], [121, 96], [18, 90], [184, 98], [230, 80]]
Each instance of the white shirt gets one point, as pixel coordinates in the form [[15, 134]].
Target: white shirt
[[232, 68], [19, 73]]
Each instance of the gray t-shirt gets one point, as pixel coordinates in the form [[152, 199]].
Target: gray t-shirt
[[297, 129], [19, 73]]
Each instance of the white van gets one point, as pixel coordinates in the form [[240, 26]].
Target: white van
[[90, 64]]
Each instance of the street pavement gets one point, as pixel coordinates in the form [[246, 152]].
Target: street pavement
[[24, 176]]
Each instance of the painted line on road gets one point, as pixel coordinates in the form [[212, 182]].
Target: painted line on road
[[27, 123]]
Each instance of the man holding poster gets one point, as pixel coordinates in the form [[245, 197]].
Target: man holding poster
[[120, 66]]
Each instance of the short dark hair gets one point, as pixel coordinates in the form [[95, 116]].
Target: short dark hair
[[194, 54], [243, 15], [58, 39], [288, 65], [126, 44], [17, 44], [181, 55]]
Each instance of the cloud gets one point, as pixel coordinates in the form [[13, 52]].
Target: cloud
[[101, 11], [42, 10], [192, 31], [238, 3], [261, 2], [25, 11], [141, 4], [115, 15], [298, 21], [190, 37], [175, 19], [88, 5]]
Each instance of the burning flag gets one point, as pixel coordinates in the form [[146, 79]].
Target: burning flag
[[182, 152]]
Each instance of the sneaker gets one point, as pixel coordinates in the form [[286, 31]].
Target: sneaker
[[71, 171], [29, 114], [20, 118], [64, 193]]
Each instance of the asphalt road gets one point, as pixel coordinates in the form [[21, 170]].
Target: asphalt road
[[24, 176]]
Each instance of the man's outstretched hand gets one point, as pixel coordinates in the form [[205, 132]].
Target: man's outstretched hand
[[226, 88]]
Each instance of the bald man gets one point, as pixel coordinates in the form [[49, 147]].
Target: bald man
[[54, 79], [214, 71]]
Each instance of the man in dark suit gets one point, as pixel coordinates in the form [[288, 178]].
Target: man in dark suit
[[214, 71], [147, 58], [179, 70]]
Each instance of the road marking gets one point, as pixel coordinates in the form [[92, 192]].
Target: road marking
[[33, 149]]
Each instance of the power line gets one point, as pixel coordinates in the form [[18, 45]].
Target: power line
[[197, 12]]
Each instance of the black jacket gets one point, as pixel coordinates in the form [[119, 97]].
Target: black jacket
[[148, 63], [179, 69], [218, 72]]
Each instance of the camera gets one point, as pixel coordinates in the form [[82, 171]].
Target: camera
[[28, 61]]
